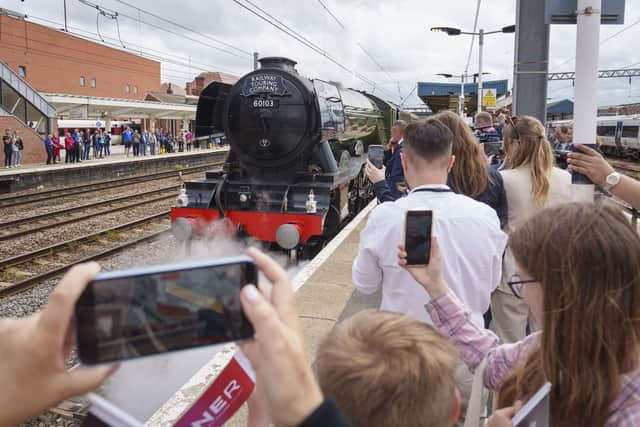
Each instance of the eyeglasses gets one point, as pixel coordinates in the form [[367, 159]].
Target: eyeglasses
[[512, 120], [515, 284]]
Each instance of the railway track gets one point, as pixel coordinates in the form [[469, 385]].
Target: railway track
[[21, 227], [22, 199], [625, 167], [24, 271]]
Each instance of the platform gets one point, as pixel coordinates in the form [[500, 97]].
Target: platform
[[116, 165], [324, 295]]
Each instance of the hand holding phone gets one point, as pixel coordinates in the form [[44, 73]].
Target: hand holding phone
[[375, 154], [140, 312], [417, 236]]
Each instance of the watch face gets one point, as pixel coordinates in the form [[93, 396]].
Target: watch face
[[613, 178]]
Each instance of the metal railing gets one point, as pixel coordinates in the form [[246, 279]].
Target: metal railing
[[24, 89]]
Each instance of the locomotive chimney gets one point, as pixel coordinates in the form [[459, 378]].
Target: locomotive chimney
[[279, 62]]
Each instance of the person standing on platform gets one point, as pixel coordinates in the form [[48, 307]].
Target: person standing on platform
[[144, 141], [470, 231], [101, 143], [485, 132], [81, 146], [48, 146], [532, 183], [136, 142], [187, 138], [152, 143], [7, 143], [68, 148], [86, 141], [77, 142], [107, 143], [17, 147], [56, 149], [127, 137]]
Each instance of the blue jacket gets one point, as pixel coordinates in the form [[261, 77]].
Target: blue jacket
[[127, 135], [395, 175]]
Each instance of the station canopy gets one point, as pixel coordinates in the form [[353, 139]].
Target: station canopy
[[444, 96], [91, 107]]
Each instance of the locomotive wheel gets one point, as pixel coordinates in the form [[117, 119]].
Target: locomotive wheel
[[313, 246]]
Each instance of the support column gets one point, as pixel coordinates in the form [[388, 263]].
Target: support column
[[531, 62], [586, 93]]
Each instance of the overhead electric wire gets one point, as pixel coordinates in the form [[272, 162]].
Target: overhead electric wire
[[158, 27], [636, 22], [325, 7], [373, 59], [303, 40], [163, 56], [177, 24]]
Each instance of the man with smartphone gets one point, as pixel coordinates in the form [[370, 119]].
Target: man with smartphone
[[470, 231], [394, 175]]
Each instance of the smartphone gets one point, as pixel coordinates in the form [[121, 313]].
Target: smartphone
[[535, 413], [139, 312], [417, 236], [375, 153], [492, 148], [576, 177]]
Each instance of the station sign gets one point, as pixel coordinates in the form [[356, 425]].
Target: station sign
[[564, 11], [488, 97]]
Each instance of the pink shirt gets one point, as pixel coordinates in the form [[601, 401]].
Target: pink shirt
[[451, 318]]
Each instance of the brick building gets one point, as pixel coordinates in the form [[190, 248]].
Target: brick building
[[202, 80], [78, 66]]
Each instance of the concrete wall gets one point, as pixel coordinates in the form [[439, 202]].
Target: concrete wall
[[34, 151], [69, 176], [54, 62]]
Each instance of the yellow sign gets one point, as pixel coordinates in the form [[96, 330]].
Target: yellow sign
[[488, 98]]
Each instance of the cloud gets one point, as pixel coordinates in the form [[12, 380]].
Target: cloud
[[394, 33]]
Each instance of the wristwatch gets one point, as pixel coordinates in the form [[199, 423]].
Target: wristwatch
[[611, 181]]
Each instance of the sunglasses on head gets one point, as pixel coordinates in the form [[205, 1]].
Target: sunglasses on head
[[512, 120]]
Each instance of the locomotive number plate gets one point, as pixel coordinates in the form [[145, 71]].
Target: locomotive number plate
[[261, 103]]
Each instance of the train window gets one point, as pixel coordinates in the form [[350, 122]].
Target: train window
[[81, 81], [606, 131], [630, 131]]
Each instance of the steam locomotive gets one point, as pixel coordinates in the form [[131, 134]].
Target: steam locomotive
[[294, 171]]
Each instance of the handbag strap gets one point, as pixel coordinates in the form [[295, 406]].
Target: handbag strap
[[477, 398]]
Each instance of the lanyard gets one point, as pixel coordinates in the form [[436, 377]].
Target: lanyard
[[432, 190]]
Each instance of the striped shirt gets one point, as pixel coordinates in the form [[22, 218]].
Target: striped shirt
[[452, 319]]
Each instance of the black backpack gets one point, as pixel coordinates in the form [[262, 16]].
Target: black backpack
[[19, 144]]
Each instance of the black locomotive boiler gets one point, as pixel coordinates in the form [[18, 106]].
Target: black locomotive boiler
[[294, 172]]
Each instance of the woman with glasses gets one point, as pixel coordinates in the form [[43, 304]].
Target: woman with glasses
[[532, 183], [577, 270]]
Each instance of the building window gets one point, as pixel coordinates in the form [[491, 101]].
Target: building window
[[127, 88], [81, 81], [22, 71], [93, 82], [135, 90]]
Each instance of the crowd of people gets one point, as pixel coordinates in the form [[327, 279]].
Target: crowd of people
[[81, 145], [557, 280], [13, 147]]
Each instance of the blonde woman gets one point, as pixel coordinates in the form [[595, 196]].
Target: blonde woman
[[532, 183]]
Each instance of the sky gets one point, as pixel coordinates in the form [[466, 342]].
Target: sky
[[394, 33]]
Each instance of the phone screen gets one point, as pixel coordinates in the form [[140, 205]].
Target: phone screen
[[492, 148], [375, 154], [134, 313], [418, 236]]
